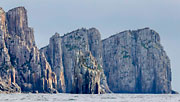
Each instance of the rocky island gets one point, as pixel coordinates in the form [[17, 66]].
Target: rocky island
[[80, 62]]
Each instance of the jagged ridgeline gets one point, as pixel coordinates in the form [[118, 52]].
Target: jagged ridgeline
[[80, 62]]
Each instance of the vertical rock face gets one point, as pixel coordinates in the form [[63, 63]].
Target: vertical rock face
[[135, 62], [95, 45], [67, 49], [71, 44], [18, 25], [7, 71], [29, 68], [24, 56], [53, 53], [86, 75], [79, 41]]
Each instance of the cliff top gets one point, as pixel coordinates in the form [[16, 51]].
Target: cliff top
[[56, 35], [18, 8], [81, 29], [130, 31]]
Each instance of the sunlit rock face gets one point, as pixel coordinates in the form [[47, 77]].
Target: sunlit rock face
[[7, 71], [66, 49], [20, 56], [53, 53], [135, 62]]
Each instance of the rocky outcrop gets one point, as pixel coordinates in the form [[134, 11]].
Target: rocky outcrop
[[78, 41], [63, 51], [53, 53], [7, 71], [95, 46], [18, 25], [135, 62], [79, 61], [86, 75], [52, 68], [21, 58]]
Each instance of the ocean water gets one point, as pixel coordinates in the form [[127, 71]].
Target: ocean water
[[88, 98]]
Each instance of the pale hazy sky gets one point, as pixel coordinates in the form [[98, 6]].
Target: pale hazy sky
[[110, 17]]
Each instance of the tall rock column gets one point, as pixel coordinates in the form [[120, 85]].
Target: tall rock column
[[53, 53], [95, 46], [84, 41], [71, 43]]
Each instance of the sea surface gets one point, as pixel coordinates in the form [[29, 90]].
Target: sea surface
[[88, 98]]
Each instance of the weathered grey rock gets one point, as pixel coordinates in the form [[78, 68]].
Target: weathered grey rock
[[53, 53], [71, 43], [7, 71], [21, 58], [86, 75], [62, 54], [48, 80], [95, 46], [17, 22], [135, 62], [81, 40]]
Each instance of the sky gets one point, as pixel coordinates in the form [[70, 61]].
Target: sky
[[109, 17]]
